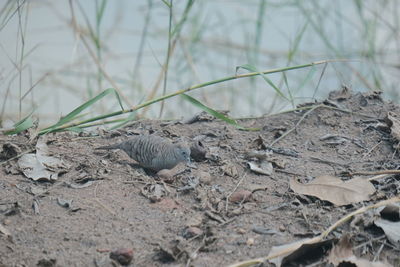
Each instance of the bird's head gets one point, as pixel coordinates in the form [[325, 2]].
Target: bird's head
[[183, 153]]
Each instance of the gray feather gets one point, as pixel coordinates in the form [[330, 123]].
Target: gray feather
[[153, 152]]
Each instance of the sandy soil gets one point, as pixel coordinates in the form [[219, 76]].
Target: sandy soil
[[193, 218]]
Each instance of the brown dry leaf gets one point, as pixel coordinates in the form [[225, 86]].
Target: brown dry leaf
[[334, 190], [343, 253], [340, 251]]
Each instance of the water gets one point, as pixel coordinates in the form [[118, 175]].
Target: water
[[217, 37]]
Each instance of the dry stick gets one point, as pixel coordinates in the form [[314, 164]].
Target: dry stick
[[312, 109], [376, 172], [372, 149], [320, 237], [100, 203], [93, 56], [297, 124], [377, 177], [194, 253], [17, 156]]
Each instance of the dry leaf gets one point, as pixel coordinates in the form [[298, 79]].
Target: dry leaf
[[41, 166], [264, 167], [343, 253], [340, 251], [334, 190], [34, 169], [391, 229], [284, 254]]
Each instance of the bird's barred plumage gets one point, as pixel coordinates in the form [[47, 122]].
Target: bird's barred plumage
[[153, 152]]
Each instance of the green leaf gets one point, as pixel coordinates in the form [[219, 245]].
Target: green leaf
[[22, 125], [131, 117], [216, 113], [74, 114], [75, 129], [254, 69]]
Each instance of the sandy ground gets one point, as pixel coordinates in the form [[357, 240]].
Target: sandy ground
[[214, 212]]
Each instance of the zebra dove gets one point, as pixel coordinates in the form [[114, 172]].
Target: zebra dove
[[153, 152]]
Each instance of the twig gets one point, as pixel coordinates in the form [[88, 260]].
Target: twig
[[17, 156], [372, 149], [297, 124], [193, 254], [376, 172], [320, 237]]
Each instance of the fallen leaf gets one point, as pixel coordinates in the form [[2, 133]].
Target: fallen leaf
[[335, 190], [342, 253], [284, 254], [40, 166], [264, 167], [34, 169], [391, 229]]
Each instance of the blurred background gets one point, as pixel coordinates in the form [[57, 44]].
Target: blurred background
[[55, 55]]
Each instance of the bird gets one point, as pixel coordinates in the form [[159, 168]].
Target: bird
[[153, 152]]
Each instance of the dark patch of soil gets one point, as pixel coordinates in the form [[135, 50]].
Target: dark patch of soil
[[189, 221]]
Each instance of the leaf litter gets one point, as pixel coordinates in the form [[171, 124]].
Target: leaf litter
[[209, 214]]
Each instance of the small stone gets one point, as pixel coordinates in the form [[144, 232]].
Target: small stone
[[192, 232], [241, 231], [204, 177], [250, 241], [240, 196], [166, 175], [195, 220], [123, 256], [282, 228]]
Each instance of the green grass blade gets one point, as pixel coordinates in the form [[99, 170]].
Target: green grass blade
[[254, 69], [74, 114], [22, 125], [131, 117], [215, 113]]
